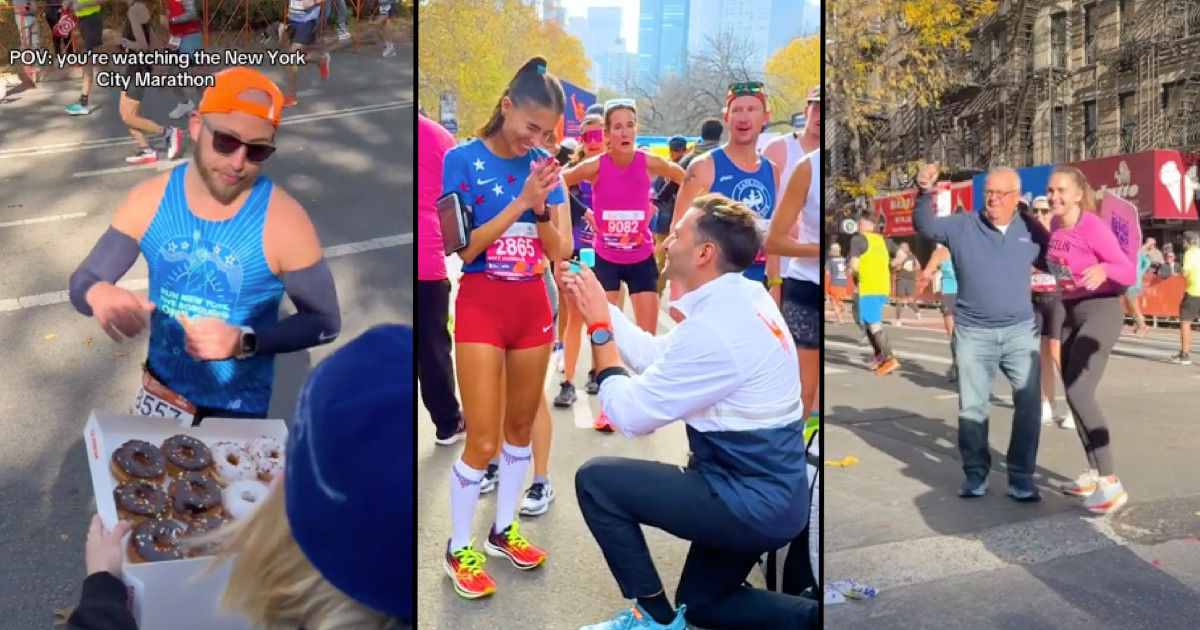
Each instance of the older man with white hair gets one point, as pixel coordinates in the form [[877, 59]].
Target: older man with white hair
[[993, 252]]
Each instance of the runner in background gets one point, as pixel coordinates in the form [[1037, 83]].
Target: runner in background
[[388, 10], [1189, 309], [91, 30], [1049, 315], [1131, 297], [591, 144], [182, 21], [710, 138], [787, 150], [870, 255], [303, 18], [504, 324], [138, 37], [665, 191], [941, 266], [839, 281]]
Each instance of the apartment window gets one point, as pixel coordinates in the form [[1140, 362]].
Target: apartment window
[[1091, 125], [1125, 105], [1058, 40], [1089, 34], [1124, 17], [1058, 135], [1169, 92]]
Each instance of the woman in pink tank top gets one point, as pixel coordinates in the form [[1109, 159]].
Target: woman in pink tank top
[[621, 210]]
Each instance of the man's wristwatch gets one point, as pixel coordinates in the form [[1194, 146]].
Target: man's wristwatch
[[249, 343], [600, 334]]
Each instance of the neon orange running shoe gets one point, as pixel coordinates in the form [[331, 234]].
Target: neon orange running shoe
[[465, 568], [602, 424], [512, 545]]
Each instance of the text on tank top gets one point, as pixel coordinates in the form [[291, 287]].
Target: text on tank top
[[200, 269], [621, 206], [755, 190]]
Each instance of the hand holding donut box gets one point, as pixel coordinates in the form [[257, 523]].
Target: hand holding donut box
[[175, 485]]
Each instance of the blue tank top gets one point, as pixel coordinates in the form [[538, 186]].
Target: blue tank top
[[949, 280], [756, 190], [202, 268]]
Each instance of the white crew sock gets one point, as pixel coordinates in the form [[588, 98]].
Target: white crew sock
[[464, 495], [514, 465]]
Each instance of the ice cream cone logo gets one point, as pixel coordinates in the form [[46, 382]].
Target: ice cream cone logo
[[1191, 184], [1123, 178], [1172, 179]]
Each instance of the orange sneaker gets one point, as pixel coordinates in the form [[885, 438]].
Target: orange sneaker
[[887, 367], [512, 545], [465, 568], [289, 100], [602, 424]]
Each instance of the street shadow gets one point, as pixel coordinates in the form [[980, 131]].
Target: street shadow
[[926, 448], [913, 371]]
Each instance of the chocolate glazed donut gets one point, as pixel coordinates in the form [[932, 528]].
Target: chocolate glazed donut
[[186, 454], [140, 499], [155, 541], [194, 495], [136, 459], [201, 526]]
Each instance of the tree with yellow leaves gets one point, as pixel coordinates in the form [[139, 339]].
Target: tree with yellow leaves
[[472, 48], [792, 72]]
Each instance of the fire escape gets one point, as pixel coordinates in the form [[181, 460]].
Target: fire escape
[[1020, 86], [1167, 37]]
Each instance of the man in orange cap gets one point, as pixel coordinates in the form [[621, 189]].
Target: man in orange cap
[[222, 245]]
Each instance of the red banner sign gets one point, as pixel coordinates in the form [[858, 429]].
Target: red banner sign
[[893, 212], [1160, 184]]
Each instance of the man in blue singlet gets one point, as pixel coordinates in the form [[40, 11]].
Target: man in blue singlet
[[738, 171], [222, 245]]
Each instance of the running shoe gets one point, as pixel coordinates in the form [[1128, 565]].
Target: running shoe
[[323, 66], [876, 361], [1181, 359], [602, 424], [560, 361], [512, 545], [637, 619], [289, 100], [566, 395], [1047, 413], [1083, 485], [973, 487], [1023, 490], [174, 136], [488, 483], [537, 499], [389, 49], [457, 436], [465, 568], [343, 33], [144, 156], [78, 109], [593, 387], [1107, 497], [887, 367], [181, 110], [1065, 420]]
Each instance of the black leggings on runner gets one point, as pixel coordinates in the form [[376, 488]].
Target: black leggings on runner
[[1089, 333]]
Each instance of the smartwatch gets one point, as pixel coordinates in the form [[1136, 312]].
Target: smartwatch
[[249, 344], [543, 217], [600, 334]]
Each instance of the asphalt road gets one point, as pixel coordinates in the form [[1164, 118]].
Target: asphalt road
[[574, 588], [345, 152], [893, 521]]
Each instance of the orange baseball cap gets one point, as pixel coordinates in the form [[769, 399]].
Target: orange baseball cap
[[224, 96]]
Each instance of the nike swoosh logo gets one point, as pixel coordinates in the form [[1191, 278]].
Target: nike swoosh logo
[[547, 329], [484, 182], [324, 336]]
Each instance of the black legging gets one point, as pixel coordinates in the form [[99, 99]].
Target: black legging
[[1089, 333]]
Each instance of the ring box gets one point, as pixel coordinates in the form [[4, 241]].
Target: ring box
[[587, 256]]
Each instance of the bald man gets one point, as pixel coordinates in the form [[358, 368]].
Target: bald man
[[223, 245], [993, 252]]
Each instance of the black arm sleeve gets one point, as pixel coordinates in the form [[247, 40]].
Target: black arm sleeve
[[112, 257], [858, 246], [103, 605], [318, 318]]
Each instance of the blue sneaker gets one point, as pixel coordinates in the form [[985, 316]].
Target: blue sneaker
[[973, 487], [78, 109], [637, 619], [1023, 490]]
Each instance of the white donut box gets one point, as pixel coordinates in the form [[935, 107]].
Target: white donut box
[[165, 594]]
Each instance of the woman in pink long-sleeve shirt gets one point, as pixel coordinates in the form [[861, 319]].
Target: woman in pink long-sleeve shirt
[[1093, 270]]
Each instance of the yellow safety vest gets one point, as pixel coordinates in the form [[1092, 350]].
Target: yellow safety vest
[[88, 7], [874, 271]]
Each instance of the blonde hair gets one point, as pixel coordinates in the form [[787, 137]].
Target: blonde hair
[[1088, 201], [273, 584]]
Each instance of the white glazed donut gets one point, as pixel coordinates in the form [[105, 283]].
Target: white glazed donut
[[232, 463], [267, 455], [243, 497]]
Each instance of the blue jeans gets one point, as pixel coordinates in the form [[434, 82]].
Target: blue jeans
[[980, 353]]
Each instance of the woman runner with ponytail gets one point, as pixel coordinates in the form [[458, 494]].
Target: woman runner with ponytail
[[504, 325]]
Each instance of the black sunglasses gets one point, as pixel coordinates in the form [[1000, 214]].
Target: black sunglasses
[[746, 88], [227, 144]]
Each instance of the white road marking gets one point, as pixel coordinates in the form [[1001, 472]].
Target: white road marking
[[141, 284], [57, 217], [903, 355], [67, 147], [834, 370], [581, 411]]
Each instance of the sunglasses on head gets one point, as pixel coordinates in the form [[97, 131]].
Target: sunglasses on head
[[227, 144], [594, 135], [1041, 210], [617, 103], [746, 88]]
